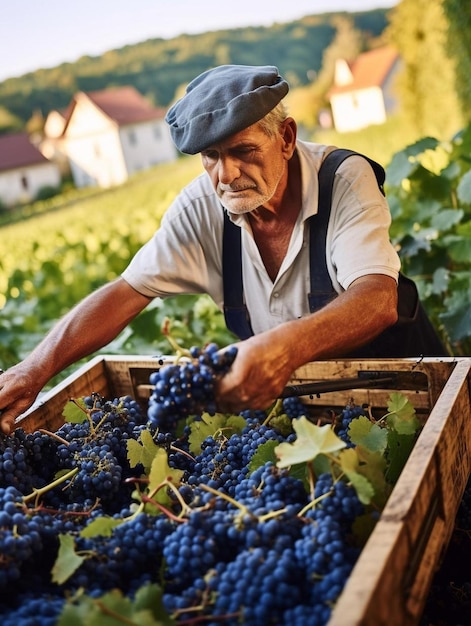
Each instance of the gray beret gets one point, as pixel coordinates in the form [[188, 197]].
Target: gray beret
[[223, 101]]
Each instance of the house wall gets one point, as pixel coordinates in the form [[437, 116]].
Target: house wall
[[146, 144], [93, 147], [390, 95], [358, 109], [22, 185]]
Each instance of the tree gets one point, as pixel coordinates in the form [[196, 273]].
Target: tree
[[418, 29], [306, 102], [458, 13]]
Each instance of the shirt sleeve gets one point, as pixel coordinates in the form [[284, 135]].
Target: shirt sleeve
[[184, 255]]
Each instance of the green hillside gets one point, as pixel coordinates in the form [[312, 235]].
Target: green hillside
[[159, 67]]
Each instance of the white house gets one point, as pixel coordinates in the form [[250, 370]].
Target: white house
[[51, 143], [24, 171], [108, 135], [363, 93]]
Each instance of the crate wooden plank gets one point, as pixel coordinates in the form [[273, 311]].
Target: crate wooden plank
[[435, 370], [392, 578], [47, 411]]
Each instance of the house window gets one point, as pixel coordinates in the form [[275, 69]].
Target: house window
[[132, 138], [24, 182]]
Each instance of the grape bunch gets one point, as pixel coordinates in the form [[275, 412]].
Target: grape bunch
[[18, 538], [349, 413], [188, 387]]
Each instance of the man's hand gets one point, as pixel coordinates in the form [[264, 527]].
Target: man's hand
[[17, 393], [257, 377]]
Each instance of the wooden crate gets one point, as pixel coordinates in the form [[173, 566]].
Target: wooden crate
[[391, 580]]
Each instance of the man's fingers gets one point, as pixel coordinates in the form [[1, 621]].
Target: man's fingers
[[7, 424]]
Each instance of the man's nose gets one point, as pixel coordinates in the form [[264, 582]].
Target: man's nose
[[228, 170]]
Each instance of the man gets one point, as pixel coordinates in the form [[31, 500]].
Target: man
[[267, 182]]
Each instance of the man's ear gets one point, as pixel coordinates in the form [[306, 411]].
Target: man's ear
[[289, 131]]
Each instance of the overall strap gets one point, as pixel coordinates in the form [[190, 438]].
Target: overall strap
[[235, 311], [322, 290]]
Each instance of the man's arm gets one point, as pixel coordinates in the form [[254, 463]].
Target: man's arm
[[89, 326], [265, 362]]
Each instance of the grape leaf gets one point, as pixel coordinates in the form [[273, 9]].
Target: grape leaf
[[350, 464], [401, 416], [102, 526], [209, 425], [365, 433], [263, 454], [67, 560], [236, 423], [115, 609], [161, 471], [399, 449], [75, 411], [373, 465], [282, 424], [142, 451], [201, 429], [311, 440]]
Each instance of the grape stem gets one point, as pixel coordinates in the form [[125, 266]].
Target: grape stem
[[36, 493], [179, 351]]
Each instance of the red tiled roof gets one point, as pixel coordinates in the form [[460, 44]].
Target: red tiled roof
[[370, 69], [16, 150], [125, 105]]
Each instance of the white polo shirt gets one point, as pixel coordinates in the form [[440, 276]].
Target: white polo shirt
[[185, 254]]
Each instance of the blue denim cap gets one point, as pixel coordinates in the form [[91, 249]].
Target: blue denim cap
[[223, 101]]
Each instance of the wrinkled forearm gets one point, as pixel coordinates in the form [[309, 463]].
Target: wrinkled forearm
[[265, 362], [89, 326]]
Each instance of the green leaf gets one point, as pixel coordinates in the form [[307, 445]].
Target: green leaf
[[311, 440], [115, 609], [464, 188], [446, 218], [101, 526], [458, 319], [401, 415], [149, 597], [67, 561], [364, 432], [142, 451], [282, 424], [161, 471], [401, 167], [440, 280], [350, 464], [206, 427], [399, 448], [235, 424], [209, 425], [264, 453], [458, 248], [75, 411]]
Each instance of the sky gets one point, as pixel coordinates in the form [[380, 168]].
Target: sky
[[37, 34]]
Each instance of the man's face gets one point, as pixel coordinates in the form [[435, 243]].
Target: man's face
[[247, 169]]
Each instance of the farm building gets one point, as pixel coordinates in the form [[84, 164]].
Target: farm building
[[24, 170], [363, 93], [108, 135]]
